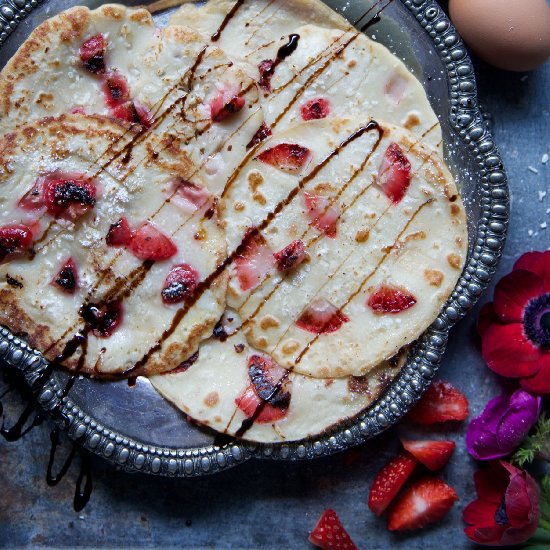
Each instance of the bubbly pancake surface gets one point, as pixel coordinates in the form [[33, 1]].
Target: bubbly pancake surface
[[289, 177]]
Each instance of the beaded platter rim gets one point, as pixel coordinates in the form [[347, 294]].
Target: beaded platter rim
[[488, 240]]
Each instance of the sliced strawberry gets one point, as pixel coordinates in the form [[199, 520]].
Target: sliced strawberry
[[266, 69], [389, 481], [149, 243], [115, 89], [330, 534], [189, 196], [441, 402], [254, 263], [315, 109], [321, 215], [395, 88], [433, 454], [264, 391], [33, 199], [92, 54], [103, 319], [119, 233], [133, 111], [14, 239], [227, 102], [264, 131], [289, 157], [67, 277], [426, 501], [394, 174], [321, 317], [388, 299], [290, 256], [180, 283], [69, 195]]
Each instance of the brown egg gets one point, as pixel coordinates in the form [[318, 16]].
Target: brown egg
[[510, 34]]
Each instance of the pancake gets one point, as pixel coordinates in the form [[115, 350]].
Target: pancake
[[315, 59], [96, 261], [216, 390], [373, 233]]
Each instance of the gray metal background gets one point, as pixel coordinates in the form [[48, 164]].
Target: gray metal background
[[274, 504]]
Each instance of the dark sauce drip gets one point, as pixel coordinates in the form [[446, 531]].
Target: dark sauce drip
[[267, 67], [52, 479], [82, 494], [219, 331], [287, 49], [372, 22], [222, 440], [132, 381], [13, 282], [376, 18], [250, 235], [216, 36], [18, 430]]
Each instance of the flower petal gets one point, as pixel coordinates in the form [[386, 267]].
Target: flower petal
[[539, 383], [489, 536], [521, 498], [480, 513], [487, 317], [508, 352], [536, 262], [513, 292], [491, 483]]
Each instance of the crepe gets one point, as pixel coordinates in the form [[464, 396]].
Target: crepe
[[215, 387], [316, 57], [372, 226], [104, 306]]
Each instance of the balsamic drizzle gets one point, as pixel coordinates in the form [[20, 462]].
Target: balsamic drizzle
[[216, 36]]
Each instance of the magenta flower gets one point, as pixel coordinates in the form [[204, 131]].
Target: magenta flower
[[503, 424]]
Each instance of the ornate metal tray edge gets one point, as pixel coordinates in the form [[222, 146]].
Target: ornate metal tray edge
[[425, 357]]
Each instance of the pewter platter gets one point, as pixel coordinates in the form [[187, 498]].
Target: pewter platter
[[135, 428]]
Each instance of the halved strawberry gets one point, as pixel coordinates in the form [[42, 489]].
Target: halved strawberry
[[426, 501], [119, 233], [33, 199], [149, 243], [92, 54], [187, 195], [389, 299], [433, 454], [115, 89], [290, 256], [254, 263], [69, 195], [441, 402], [133, 111], [321, 317], [265, 376], [14, 239], [315, 109], [321, 214], [180, 283], [389, 480], [227, 102], [266, 69], [103, 319], [264, 131], [67, 277], [394, 174], [289, 157], [329, 533]]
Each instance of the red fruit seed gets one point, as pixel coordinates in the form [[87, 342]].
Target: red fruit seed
[[329, 533], [426, 501], [433, 454], [389, 481]]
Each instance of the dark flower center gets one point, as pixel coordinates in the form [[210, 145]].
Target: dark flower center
[[536, 321], [501, 518]]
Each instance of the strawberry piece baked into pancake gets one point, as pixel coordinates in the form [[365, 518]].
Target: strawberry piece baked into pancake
[[237, 390], [354, 240], [310, 65], [98, 260]]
